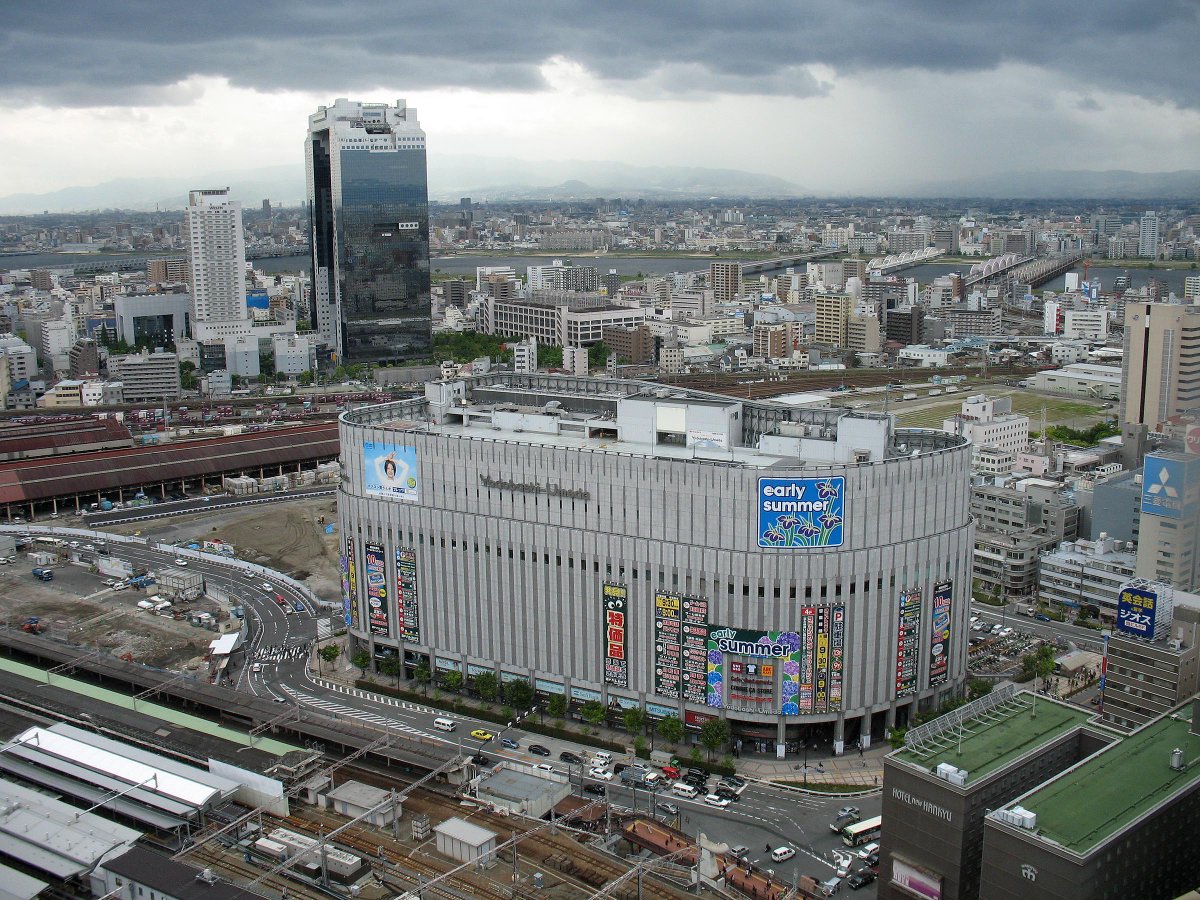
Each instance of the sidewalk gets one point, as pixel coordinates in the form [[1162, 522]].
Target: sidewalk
[[852, 769]]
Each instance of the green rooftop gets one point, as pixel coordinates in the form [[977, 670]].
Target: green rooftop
[[1099, 797], [993, 740]]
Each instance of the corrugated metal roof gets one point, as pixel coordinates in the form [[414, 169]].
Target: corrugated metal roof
[[467, 832], [109, 470]]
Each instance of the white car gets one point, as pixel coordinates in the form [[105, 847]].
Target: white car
[[600, 774], [1006, 632], [779, 854], [120, 586], [716, 800], [182, 563], [267, 587], [89, 547]]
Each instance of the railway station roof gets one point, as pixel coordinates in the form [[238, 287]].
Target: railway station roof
[[22, 481]]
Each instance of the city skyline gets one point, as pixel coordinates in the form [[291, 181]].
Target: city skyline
[[833, 98]]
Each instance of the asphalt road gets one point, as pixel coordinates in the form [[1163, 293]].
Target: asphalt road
[[1081, 638]]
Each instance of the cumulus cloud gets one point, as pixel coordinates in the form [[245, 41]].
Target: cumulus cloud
[[114, 52]]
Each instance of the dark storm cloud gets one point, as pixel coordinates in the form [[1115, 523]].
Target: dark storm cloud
[[126, 52]]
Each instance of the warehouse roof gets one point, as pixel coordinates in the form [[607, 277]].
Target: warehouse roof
[[107, 470], [467, 832]]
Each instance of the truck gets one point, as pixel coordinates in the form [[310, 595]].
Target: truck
[[43, 574]]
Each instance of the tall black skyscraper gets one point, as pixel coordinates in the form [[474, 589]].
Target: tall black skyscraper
[[368, 194]]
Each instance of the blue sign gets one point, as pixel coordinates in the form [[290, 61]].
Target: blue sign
[[801, 512], [1163, 483], [1136, 610]]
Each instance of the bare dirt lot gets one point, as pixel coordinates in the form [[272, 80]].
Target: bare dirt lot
[[76, 606], [288, 537]]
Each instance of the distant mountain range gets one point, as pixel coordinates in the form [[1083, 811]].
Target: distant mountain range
[[450, 177], [489, 178]]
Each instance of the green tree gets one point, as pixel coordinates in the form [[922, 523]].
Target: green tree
[[519, 694], [391, 668], [978, 687], [305, 378], [487, 686], [598, 355], [714, 735], [593, 712], [452, 681], [329, 653], [188, 379], [550, 357], [635, 720], [556, 706], [266, 365], [421, 676], [361, 660], [671, 729]]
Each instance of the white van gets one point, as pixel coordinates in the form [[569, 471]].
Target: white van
[[444, 724], [602, 759], [683, 789]]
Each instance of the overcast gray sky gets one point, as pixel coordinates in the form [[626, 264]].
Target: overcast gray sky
[[837, 96]]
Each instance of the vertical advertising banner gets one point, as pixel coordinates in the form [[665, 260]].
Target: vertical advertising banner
[[668, 645], [804, 677], [821, 662], [616, 665], [837, 652], [352, 580], [375, 571], [695, 649], [939, 636], [907, 643], [407, 609], [345, 561]]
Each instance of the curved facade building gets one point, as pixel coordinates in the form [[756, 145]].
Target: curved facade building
[[804, 573]]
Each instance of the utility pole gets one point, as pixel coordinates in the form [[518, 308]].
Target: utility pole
[[515, 873]]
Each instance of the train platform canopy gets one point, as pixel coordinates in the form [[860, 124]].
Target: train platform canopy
[[73, 435], [142, 786], [54, 837], [23, 481]]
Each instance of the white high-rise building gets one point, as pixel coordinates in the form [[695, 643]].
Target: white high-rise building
[[1148, 236], [216, 249]]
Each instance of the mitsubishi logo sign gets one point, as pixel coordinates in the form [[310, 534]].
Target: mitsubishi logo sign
[[1161, 486]]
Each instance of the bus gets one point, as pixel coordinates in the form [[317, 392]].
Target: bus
[[862, 832]]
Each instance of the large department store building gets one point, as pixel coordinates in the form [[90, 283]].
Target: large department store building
[[804, 573]]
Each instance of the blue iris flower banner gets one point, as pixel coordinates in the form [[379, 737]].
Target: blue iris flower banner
[[801, 512]]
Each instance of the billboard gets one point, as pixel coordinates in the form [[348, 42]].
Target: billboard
[[390, 470], [1137, 609], [668, 645], [907, 643], [352, 582], [407, 610], [345, 568], [615, 608], [801, 512], [1163, 486], [375, 573], [918, 882], [939, 636], [807, 665]]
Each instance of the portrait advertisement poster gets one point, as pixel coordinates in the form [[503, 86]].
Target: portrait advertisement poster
[[615, 608], [407, 609], [668, 645], [390, 470], [375, 572], [908, 642], [352, 580], [939, 636]]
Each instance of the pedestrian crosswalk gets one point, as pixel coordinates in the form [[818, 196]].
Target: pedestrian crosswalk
[[362, 715]]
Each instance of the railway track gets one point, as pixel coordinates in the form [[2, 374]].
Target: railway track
[[747, 386]]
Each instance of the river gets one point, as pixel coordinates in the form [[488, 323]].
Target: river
[[624, 265]]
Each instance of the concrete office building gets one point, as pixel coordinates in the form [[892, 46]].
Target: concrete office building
[[796, 570], [216, 245], [1169, 532], [168, 271], [990, 422], [1151, 672], [146, 376], [368, 201], [153, 320], [1087, 575], [631, 343], [1160, 368], [566, 319]]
